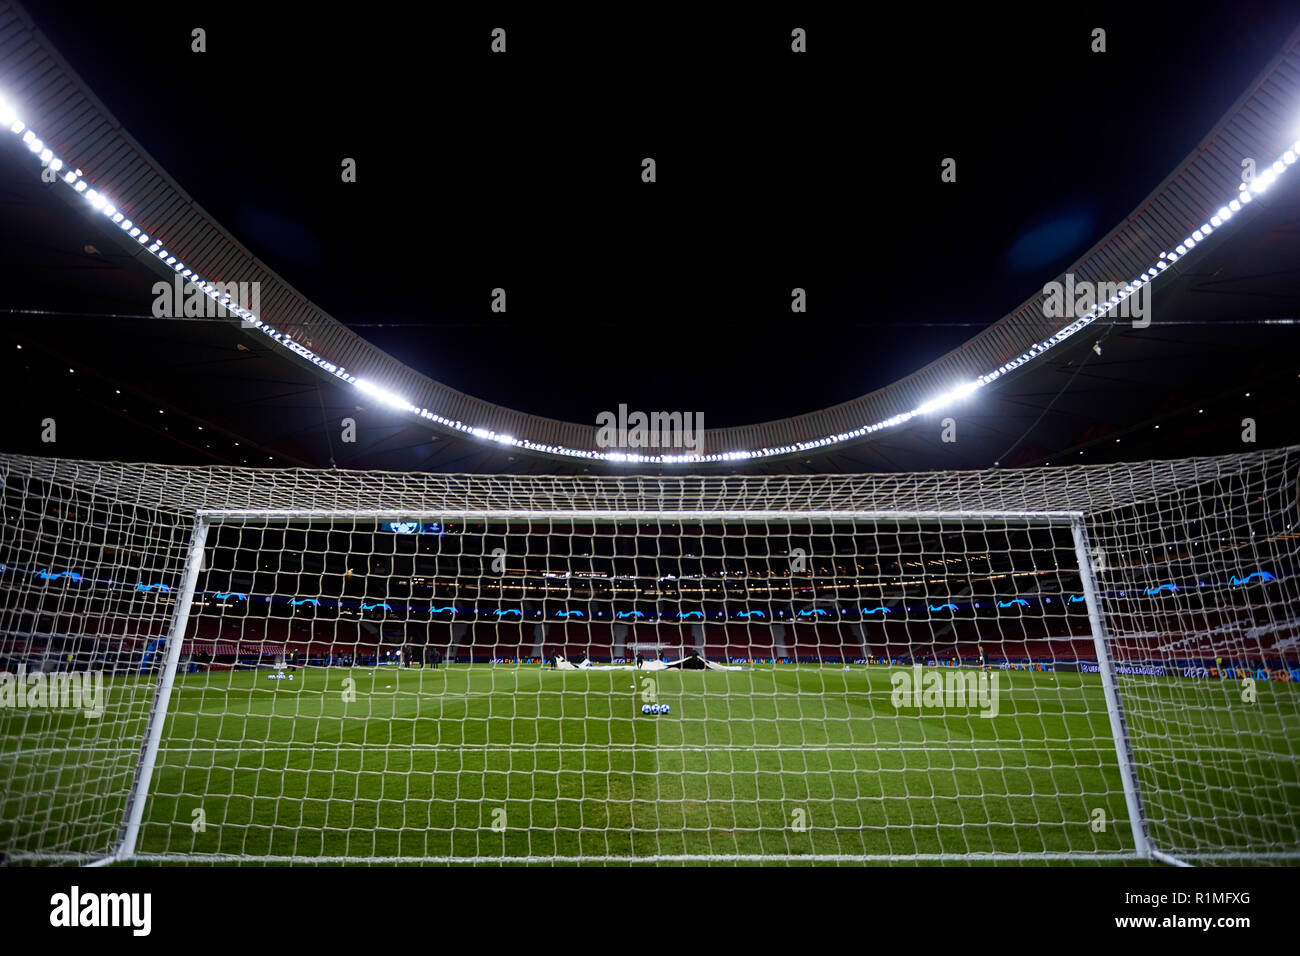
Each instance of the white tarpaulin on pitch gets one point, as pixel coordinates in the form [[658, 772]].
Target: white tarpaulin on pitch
[[690, 662]]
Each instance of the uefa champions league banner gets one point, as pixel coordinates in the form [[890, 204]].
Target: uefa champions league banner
[[1139, 670], [1195, 671]]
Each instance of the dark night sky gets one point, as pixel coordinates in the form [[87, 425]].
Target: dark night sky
[[775, 171]]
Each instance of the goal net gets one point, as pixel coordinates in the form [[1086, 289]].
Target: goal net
[[1078, 664]]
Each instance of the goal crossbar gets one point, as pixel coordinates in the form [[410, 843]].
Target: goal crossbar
[[292, 516]]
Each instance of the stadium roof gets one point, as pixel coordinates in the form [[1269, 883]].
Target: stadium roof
[[1227, 306]]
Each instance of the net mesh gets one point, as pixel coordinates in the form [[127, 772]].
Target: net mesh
[[383, 667]]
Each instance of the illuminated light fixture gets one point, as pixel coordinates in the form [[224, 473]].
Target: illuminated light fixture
[[382, 394], [17, 126], [1262, 181], [46, 155], [81, 186], [29, 137], [947, 398], [7, 114]]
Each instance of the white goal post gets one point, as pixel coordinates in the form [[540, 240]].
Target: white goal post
[[1076, 664]]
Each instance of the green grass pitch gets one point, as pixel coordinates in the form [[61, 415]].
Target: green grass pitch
[[516, 763]]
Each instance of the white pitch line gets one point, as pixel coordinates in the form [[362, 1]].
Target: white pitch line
[[1010, 747], [1080, 857], [599, 748]]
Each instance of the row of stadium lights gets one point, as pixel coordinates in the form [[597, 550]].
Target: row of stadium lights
[[101, 203]]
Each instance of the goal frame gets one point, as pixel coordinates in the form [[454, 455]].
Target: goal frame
[[206, 519]]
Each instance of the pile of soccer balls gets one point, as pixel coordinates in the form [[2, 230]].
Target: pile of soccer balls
[[654, 708]]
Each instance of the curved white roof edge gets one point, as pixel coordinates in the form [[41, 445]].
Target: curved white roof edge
[[47, 108]]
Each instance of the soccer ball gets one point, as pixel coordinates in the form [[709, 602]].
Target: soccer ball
[[663, 708], [645, 708]]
